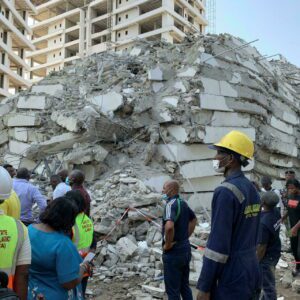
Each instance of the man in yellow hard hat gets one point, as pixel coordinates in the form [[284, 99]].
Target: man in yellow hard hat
[[230, 265]]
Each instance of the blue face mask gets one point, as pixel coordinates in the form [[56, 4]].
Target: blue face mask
[[164, 197]]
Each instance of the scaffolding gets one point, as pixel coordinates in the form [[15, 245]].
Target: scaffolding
[[211, 8]]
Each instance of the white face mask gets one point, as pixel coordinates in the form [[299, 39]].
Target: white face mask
[[216, 165]]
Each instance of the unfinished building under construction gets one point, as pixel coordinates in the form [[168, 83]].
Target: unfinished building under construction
[[67, 30]]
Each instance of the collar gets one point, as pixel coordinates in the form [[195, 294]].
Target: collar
[[21, 179], [235, 175], [174, 197]]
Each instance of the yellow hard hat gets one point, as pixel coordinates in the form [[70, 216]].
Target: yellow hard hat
[[238, 142]]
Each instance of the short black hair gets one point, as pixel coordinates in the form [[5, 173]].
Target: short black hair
[[78, 176], [3, 279], [60, 215], [6, 166], [269, 199], [294, 182], [76, 197], [23, 173], [55, 176], [289, 172], [266, 180]]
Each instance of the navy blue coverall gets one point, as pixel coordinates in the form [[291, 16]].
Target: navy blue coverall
[[230, 265], [177, 260]]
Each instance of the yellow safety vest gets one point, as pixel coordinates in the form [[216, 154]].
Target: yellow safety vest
[[12, 235], [83, 232]]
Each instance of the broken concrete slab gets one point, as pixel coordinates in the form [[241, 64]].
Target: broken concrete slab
[[3, 137], [156, 182], [230, 119], [199, 200], [282, 126], [51, 89], [69, 122], [160, 73], [188, 72], [19, 148], [179, 133], [173, 101], [32, 102], [19, 133], [202, 184], [180, 152], [154, 291], [107, 103], [23, 119], [5, 109], [125, 248], [213, 102]]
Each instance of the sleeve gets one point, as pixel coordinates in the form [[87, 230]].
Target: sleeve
[[24, 255], [263, 234], [39, 199], [192, 215], [67, 262], [219, 243], [170, 211]]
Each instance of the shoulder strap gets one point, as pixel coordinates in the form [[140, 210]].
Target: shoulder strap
[[178, 209], [235, 190]]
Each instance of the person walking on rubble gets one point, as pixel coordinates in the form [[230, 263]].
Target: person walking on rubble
[[59, 187], [179, 222], [230, 265], [269, 245], [28, 195]]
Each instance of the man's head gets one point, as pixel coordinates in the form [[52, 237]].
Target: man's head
[[76, 177], [233, 152], [293, 187], [23, 173], [63, 174], [5, 184], [54, 181], [289, 174], [10, 169], [171, 188], [266, 183], [269, 199]]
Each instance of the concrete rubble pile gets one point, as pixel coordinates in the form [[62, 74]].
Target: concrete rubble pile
[[133, 120]]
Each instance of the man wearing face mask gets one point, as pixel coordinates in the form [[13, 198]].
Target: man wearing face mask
[[179, 222], [230, 265]]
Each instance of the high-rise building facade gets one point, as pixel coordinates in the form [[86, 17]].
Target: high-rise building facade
[[14, 42], [67, 30]]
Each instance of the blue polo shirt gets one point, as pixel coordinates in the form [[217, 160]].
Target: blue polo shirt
[[181, 223], [269, 233]]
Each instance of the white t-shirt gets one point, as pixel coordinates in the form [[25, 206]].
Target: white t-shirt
[[60, 190]]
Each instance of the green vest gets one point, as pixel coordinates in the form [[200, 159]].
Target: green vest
[[83, 232], [12, 233]]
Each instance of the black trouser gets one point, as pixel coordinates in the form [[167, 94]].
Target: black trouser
[[268, 278], [295, 246]]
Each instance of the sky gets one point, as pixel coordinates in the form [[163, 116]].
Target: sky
[[276, 23]]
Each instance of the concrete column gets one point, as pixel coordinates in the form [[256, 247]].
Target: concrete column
[[81, 33], [168, 4], [88, 29], [167, 21]]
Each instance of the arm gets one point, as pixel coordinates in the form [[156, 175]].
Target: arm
[[261, 251], [84, 268], [294, 230], [39, 199], [21, 281], [192, 225], [169, 235], [224, 207]]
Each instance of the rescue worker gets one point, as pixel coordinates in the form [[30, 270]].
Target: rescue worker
[[179, 222], [269, 245], [230, 265], [82, 232], [15, 250], [11, 206]]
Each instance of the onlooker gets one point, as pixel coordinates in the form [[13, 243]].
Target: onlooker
[[28, 195], [76, 180], [63, 174], [15, 251], [293, 206], [11, 206], [289, 174], [59, 187], [266, 183], [179, 222], [269, 245], [10, 169], [56, 269], [83, 232]]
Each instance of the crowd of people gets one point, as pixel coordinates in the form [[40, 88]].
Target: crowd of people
[[48, 256], [44, 257]]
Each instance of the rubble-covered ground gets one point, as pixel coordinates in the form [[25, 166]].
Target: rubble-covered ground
[[135, 119]]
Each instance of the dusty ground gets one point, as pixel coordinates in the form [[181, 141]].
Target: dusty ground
[[118, 290]]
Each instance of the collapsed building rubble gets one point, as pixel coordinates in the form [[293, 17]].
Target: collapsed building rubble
[[135, 119]]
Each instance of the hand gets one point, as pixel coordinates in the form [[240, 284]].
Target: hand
[[294, 231], [203, 296], [168, 247]]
